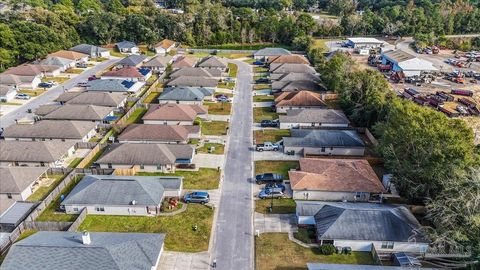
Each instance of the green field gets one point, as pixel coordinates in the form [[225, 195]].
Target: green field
[[275, 166]]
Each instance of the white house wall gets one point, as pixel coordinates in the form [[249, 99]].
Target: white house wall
[[289, 125], [189, 102], [336, 151], [365, 245], [150, 141], [327, 196], [170, 123], [283, 109], [127, 210]]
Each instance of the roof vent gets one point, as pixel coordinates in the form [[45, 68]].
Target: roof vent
[[134, 202], [86, 238]]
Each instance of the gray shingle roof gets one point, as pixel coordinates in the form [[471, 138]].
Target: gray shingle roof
[[79, 112], [271, 52], [92, 98], [191, 72], [159, 61], [296, 86], [292, 68], [50, 129], [65, 250], [91, 50], [38, 151], [212, 62], [145, 153], [16, 213], [193, 81], [185, 93], [107, 85], [288, 77], [17, 179], [4, 90], [328, 116], [121, 190], [323, 138], [132, 60], [56, 61], [125, 45]]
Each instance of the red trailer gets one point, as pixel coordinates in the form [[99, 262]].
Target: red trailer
[[467, 102], [461, 92], [384, 68]]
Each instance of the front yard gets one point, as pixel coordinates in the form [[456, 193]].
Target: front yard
[[270, 135], [275, 251], [264, 113], [33, 93], [275, 166], [220, 108], [180, 235], [280, 206], [226, 85], [204, 178], [263, 98], [214, 128], [232, 70], [57, 79], [205, 149]]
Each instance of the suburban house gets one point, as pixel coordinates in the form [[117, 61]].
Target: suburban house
[[335, 180], [106, 99], [184, 62], [185, 95], [12, 213], [35, 154], [289, 77], [122, 195], [146, 157], [138, 133], [91, 50], [297, 85], [49, 130], [336, 266], [159, 63], [206, 82], [264, 53], [127, 47], [133, 60], [289, 59], [309, 118], [64, 63], [86, 250], [7, 93], [18, 183], [173, 114], [196, 72], [291, 68], [213, 62], [298, 100], [361, 226], [43, 110], [80, 113], [30, 75], [128, 73], [164, 46], [324, 142], [74, 56], [114, 86], [18, 81], [364, 43], [409, 65]]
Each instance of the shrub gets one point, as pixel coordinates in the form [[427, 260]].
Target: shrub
[[327, 249]]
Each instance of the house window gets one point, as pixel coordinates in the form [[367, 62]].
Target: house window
[[159, 167], [16, 163], [388, 245], [142, 166], [323, 149], [9, 195], [33, 139], [43, 139], [63, 140], [100, 209], [42, 164], [75, 209], [109, 165]]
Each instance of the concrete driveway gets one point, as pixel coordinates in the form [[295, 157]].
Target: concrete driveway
[[273, 155], [182, 261], [209, 160], [283, 223]]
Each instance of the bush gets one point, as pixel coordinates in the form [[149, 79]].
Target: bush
[[327, 249]]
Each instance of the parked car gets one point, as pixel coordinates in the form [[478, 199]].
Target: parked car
[[262, 80], [81, 65], [92, 78], [267, 146], [82, 84], [197, 197], [267, 178], [269, 123], [229, 79], [258, 63], [222, 98], [270, 193], [22, 96], [276, 185], [45, 85]]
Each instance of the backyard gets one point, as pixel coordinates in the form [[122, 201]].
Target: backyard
[[280, 206], [136, 116], [43, 191], [204, 178], [264, 113], [180, 235], [275, 251], [270, 135], [214, 128], [220, 108], [275, 166]]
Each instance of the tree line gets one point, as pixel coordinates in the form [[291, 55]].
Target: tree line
[[433, 159]]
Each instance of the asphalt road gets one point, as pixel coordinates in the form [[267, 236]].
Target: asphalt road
[[53, 93], [233, 246]]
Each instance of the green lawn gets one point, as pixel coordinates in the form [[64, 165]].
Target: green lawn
[[274, 251], [180, 235], [75, 162], [260, 69], [261, 86], [43, 191], [74, 70], [33, 93], [204, 178], [280, 206], [249, 61], [116, 53], [232, 70], [306, 235], [26, 234], [258, 76], [136, 116], [275, 166], [229, 85], [321, 43], [270, 135], [219, 148], [95, 157], [152, 97], [221, 108], [263, 98], [214, 128], [49, 214], [10, 103], [265, 113], [59, 80]]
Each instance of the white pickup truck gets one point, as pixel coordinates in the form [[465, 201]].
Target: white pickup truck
[[267, 146]]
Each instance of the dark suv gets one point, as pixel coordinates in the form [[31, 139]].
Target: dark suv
[[267, 178], [269, 123], [197, 197]]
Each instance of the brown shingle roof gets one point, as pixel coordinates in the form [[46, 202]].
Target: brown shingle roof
[[166, 43], [193, 81], [92, 98], [347, 175], [174, 112], [55, 129], [127, 72], [79, 112], [299, 98], [184, 61], [30, 70], [47, 151], [17, 179], [290, 59], [68, 55], [152, 133]]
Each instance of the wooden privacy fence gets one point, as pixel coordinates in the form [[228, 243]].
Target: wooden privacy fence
[[86, 160], [74, 226], [47, 225], [125, 171], [86, 145], [59, 170]]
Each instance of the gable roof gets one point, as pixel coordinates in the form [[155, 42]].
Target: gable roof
[[115, 190], [184, 61], [92, 98], [68, 55], [56, 61], [154, 133], [192, 72], [50, 129], [30, 69], [365, 40], [43, 110], [173, 112], [399, 56], [337, 175], [109, 85], [38, 151], [165, 44], [185, 93], [212, 62], [159, 61], [288, 77], [299, 98], [145, 153], [193, 81], [88, 49], [291, 59], [296, 86], [126, 72], [10, 79], [327, 116], [17, 179], [4, 89], [132, 60], [79, 112], [292, 68], [271, 52], [125, 45], [323, 138], [65, 250]]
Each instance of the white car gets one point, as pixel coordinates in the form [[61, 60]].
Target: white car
[[22, 96]]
